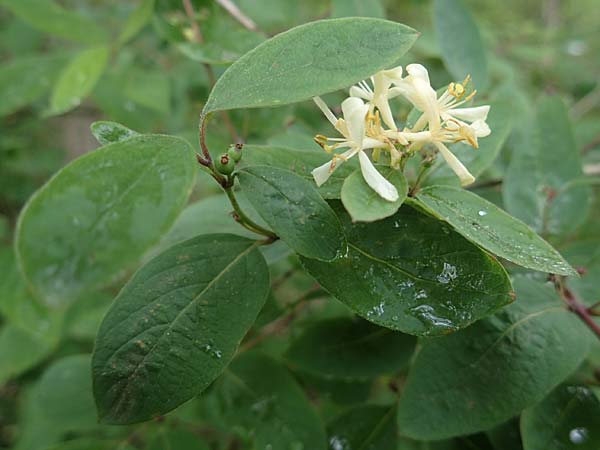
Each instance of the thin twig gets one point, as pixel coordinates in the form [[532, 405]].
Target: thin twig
[[281, 323], [238, 15], [243, 219], [212, 79], [576, 306]]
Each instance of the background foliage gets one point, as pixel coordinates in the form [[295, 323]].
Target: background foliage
[[309, 374]]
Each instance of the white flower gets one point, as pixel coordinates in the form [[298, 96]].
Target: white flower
[[379, 96], [352, 128], [417, 90], [447, 123]]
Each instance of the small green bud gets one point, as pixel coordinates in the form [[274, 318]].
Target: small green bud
[[224, 164], [235, 152]]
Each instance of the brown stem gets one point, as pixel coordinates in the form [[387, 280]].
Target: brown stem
[[281, 323], [212, 79], [576, 306], [238, 15]]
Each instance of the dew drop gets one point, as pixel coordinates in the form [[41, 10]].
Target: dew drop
[[578, 435], [482, 213]]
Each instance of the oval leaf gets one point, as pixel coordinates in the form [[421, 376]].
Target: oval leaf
[[100, 213], [541, 184], [460, 42], [412, 273], [568, 419], [301, 163], [25, 80], [309, 60], [364, 204], [350, 348], [48, 16], [488, 373], [176, 325], [490, 227], [107, 132], [364, 427], [78, 79], [263, 396], [295, 211]]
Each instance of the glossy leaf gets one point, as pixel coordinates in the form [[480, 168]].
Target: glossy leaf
[[309, 60], [24, 80], [137, 20], [265, 398], [488, 373], [414, 274], [350, 348], [294, 210], [569, 418], [490, 227], [364, 427], [301, 163], [107, 132], [176, 325], [540, 185], [48, 16], [460, 42], [99, 214], [78, 78], [364, 204]]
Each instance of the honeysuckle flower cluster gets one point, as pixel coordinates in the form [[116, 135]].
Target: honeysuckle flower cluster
[[366, 113]]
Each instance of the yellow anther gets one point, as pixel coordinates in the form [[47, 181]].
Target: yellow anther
[[321, 140], [334, 161], [457, 90], [468, 135]]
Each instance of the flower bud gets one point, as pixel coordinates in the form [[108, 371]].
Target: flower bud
[[224, 164], [235, 152]]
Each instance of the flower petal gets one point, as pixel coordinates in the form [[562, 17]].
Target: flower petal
[[461, 171], [470, 114], [325, 109], [386, 113], [480, 128], [322, 173], [394, 74], [418, 71], [356, 91], [354, 111], [375, 180]]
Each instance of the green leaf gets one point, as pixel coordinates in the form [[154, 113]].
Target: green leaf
[[107, 132], [301, 163], [309, 60], [460, 42], [414, 274], [349, 348], [176, 325], [21, 350], [265, 397], [364, 204], [78, 79], [569, 418], [214, 215], [357, 8], [24, 80], [364, 427], [488, 373], [48, 16], [490, 227], [65, 390], [295, 211], [538, 185], [59, 402], [99, 214], [136, 21]]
